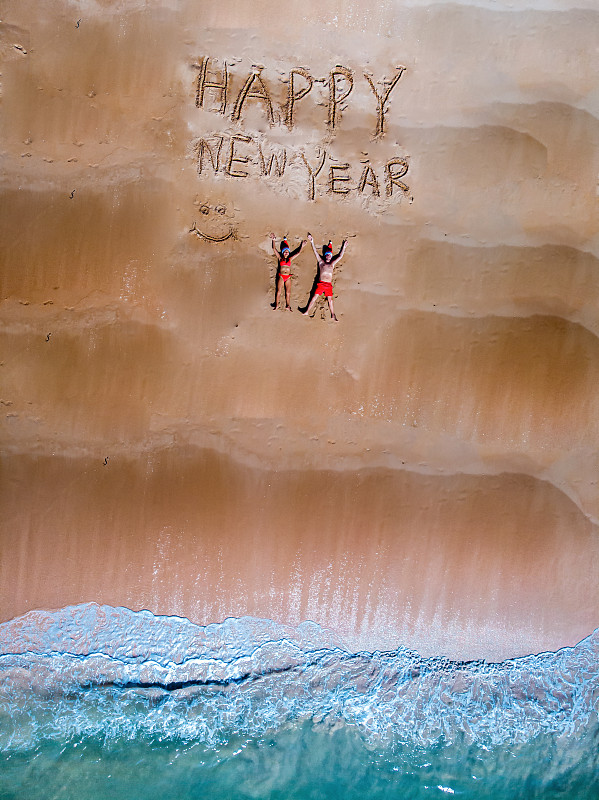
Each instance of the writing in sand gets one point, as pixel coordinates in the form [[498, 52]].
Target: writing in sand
[[239, 155]]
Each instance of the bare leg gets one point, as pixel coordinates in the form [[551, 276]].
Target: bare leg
[[331, 309], [288, 294], [311, 305], [275, 305]]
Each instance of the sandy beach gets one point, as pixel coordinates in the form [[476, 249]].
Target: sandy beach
[[423, 472]]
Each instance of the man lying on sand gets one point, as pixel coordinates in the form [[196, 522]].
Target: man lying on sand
[[326, 264], [284, 271]]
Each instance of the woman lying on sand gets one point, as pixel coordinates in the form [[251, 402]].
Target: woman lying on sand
[[285, 257]]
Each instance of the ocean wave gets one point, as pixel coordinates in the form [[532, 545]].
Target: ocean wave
[[94, 670]]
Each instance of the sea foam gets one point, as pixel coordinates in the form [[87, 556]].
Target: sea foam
[[94, 670]]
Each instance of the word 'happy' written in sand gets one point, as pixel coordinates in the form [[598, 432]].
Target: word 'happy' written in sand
[[239, 155]]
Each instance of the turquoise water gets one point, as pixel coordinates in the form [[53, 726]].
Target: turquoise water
[[105, 703], [301, 760]]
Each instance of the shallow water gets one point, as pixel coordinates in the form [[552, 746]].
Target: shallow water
[[137, 705], [301, 760]]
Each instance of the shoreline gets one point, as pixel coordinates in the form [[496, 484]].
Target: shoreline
[[462, 565]]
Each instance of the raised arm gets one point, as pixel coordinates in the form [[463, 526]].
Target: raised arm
[[297, 251], [341, 252], [276, 252], [311, 240]]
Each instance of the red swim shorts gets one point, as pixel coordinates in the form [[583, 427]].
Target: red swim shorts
[[325, 288]]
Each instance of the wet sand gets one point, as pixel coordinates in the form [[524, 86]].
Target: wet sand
[[425, 471], [458, 563]]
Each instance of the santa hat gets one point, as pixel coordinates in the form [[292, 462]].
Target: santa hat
[[328, 248], [285, 246]]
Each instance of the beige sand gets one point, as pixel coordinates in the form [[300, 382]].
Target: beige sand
[[425, 471]]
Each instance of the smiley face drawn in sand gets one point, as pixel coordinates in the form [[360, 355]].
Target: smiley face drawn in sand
[[216, 224]]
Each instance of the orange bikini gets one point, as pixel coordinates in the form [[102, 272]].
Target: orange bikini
[[285, 262]]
